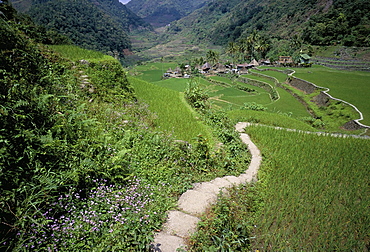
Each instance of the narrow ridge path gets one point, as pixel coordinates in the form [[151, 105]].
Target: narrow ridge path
[[182, 223]]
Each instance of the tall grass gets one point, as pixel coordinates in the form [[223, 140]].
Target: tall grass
[[316, 192], [174, 115]]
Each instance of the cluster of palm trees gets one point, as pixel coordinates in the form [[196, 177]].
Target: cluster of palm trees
[[254, 46], [212, 57]]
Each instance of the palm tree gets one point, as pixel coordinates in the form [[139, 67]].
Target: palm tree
[[253, 41], [232, 49], [212, 57], [261, 46], [244, 49]]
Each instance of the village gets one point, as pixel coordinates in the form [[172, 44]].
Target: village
[[185, 71]]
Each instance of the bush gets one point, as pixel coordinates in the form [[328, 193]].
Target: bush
[[196, 97]]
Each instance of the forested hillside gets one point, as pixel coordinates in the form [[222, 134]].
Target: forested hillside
[[312, 21], [100, 25], [160, 13]]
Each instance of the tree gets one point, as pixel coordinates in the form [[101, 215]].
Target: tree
[[212, 57], [232, 49]]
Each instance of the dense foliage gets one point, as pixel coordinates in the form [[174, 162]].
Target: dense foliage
[[347, 23], [81, 167], [313, 22], [99, 25], [161, 13]]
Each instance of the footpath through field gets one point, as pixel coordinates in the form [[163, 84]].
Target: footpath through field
[[182, 223]]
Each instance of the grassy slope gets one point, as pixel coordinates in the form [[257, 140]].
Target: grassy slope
[[76, 53], [174, 114]]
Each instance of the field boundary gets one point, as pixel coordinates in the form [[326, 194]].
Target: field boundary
[[325, 92], [319, 133]]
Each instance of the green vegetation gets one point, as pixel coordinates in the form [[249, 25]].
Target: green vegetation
[[76, 53], [102, 26], [284, 120], [84, 164], [161, 13], [228, 226], [345, 23], [349, 86], [91, 160], [316, 191], [221, 22], [173, 113], [304, 203]]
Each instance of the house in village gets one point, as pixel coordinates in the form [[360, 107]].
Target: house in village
[[178, 72], [254, 63], [285, 60], [304, 59], [219, 68], [206, 67], [264, 62]]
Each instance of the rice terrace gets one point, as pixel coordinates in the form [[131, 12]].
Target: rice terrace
[[193, 125]]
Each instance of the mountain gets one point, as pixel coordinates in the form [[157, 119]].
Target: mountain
[[320, 22], [161, 12], [93, 24]]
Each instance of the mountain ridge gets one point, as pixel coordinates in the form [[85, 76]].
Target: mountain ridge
[[161, 12], [319, 22], [101, 25]]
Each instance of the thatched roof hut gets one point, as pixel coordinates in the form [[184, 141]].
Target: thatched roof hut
[[254, 63], [220, 68], [206, 66]]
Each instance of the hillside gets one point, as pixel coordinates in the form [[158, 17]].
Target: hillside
[[100, 25], [160, 13], [315, 22]]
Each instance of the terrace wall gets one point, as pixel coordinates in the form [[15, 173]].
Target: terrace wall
[[302, 85], [323, 99]]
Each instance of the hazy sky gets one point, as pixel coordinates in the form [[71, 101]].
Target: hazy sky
[[124, 1]]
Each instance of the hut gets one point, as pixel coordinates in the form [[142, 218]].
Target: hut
[[285, 60], [206, 67], [220, 68], [264, 62], [254, 63], [178, 72], [304, 59], [243, 70]]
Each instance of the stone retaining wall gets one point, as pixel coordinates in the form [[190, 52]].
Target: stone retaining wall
[[322, 99], [302, 85]]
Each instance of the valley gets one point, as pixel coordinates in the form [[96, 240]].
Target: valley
[[119, 122]]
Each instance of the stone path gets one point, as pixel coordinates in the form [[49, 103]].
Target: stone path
[[182, 223]]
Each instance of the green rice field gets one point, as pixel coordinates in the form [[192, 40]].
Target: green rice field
[[316, 192], [173, 113], [350, 86], [353, 87]]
